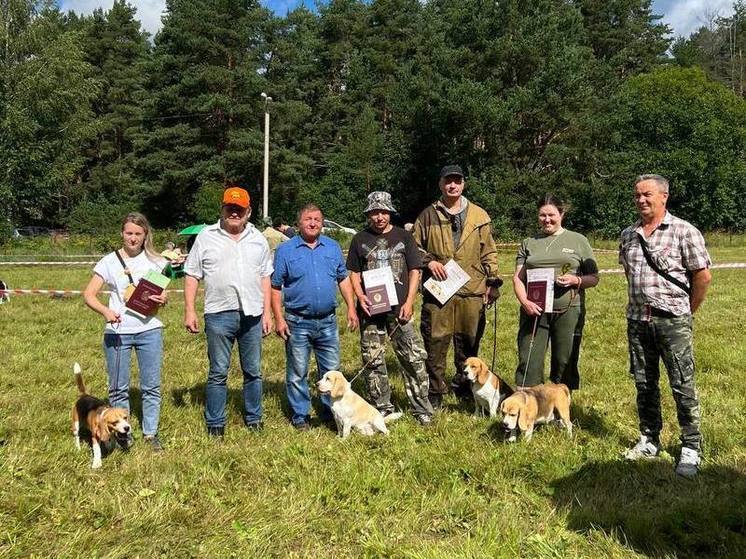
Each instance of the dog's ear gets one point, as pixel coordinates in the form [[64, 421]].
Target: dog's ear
[[102, 428], [339, 385], [527, 416], [483, 373]]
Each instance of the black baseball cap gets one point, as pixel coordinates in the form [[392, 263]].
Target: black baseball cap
[[451, 170]]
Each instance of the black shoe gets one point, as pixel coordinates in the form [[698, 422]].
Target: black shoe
[[302, 426], [125, 441], [155, 443], [462, 391], [436, 400], [424, 420], [255, 426], [216, 432], [386, 412]]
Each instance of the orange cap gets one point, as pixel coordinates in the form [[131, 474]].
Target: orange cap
[[236, 196]]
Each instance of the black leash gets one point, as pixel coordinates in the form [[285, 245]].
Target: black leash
[[379, 352]]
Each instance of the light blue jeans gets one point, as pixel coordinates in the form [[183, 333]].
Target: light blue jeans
[[148, 347], [321, 335], [222, 329]]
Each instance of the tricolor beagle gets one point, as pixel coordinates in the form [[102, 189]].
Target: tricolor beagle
[[98, 419], [488, 388]]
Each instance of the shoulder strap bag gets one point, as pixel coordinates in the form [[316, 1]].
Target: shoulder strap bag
[[646, 251]]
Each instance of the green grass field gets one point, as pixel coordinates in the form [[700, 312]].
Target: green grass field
[[453, 490]]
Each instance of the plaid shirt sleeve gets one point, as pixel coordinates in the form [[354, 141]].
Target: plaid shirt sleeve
[[694, 255]]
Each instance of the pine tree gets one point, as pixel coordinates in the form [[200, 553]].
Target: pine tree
[[203, 114]]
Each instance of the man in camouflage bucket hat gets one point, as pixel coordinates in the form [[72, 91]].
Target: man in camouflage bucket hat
[[383, 245]]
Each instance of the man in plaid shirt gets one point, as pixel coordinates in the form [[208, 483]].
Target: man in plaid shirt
[[659, 316]]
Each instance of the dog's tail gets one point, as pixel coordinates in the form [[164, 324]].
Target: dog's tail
[[77, 371], [392, 417]]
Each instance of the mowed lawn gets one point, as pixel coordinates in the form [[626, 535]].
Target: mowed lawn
[[453, 490]]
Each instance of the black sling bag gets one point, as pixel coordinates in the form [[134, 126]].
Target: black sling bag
[[646, 251]]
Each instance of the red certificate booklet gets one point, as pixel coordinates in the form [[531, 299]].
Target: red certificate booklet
[[379, 299], [139, 302]]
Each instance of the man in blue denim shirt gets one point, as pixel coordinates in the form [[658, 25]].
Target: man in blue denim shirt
[[308, 269]]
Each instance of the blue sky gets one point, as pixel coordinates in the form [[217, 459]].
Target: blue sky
[[684, 16]]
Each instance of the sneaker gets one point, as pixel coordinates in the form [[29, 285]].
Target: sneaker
[[216, 432], [436, 400], [688, 465], [644, 449], [424, 419], [302, 426], [255, 426], [155, 443], [386, 412]]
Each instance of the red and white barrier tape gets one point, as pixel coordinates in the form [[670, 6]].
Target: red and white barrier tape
[[63, 292], [85, 263]]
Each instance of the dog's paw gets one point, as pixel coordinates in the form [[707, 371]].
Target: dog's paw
[[96, 464]]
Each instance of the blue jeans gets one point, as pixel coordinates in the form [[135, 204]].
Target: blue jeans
[[321, 335], [148, 347], [222, 329]]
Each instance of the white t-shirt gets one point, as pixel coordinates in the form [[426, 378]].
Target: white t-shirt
[[116, 280], [232, 270]]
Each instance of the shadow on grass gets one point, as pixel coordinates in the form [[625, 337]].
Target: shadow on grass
[[646, 507], [590, 421], [195, 396]]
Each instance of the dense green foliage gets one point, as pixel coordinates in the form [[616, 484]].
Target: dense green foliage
[[571, 96]]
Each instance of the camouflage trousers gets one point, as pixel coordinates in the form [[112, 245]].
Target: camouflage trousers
[[411, 354], [669, 339]]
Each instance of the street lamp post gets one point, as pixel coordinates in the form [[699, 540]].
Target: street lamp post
[[265, 198]]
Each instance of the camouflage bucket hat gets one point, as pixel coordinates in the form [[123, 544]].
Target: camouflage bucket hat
[[380, 201]]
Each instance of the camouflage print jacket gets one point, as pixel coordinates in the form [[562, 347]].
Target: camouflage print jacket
[[476, 252]]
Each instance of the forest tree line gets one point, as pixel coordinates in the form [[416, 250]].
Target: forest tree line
[[575, 97]]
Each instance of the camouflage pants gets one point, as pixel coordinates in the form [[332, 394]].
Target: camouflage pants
[[411, 354], [669, 339]]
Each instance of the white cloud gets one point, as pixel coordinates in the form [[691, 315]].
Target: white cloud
[[148, 11], [686, 16]]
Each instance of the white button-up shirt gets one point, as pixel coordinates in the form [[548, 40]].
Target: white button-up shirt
[[232, 270]]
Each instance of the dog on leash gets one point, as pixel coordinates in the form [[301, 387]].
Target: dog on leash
[[94, 418], [350, 410], [487, 387], [530, 406]]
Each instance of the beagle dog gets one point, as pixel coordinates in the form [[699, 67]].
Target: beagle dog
[[350, 410], [533, 405], [99, 419], [4, 293], [488, 388]]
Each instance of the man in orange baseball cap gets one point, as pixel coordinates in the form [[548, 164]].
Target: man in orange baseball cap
[[237, 305], [236, 196]]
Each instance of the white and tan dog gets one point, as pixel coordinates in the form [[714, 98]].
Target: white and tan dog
[[487, 387], [93, 418], [534, 405], [350, 410]]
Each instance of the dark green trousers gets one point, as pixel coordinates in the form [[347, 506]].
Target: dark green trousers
[[564, 332], [461, 321]]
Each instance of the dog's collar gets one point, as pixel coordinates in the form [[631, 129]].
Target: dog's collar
[[103, 411]]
